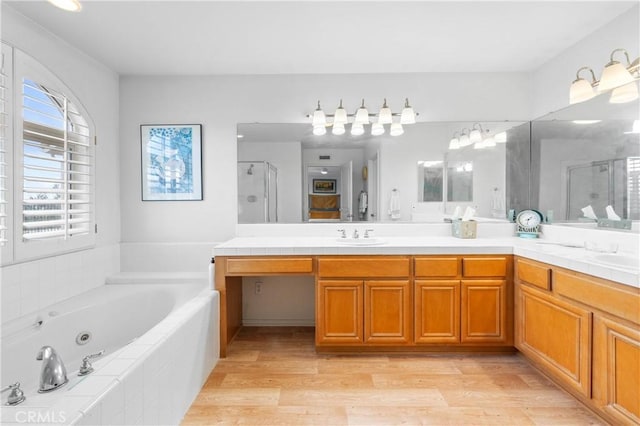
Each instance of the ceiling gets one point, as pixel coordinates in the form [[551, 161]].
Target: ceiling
[[317, 37]]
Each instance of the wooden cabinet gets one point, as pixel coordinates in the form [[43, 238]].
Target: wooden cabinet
[[616, 369], [556, 335], [484, 311], [364, 300], [437, 311]]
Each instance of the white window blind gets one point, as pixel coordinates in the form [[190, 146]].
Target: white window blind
[[4, 175], [57, 166]]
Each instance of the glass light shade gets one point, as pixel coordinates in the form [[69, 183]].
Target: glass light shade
[[408, 116], [69, 5], [319, 119], [338, 129], [500, 137], [396, 129], [340, 116], [489, 142], [464, 140], [475, 136], [384, 117], [357, 129], [377, 129], [454, 143], [614, 74], [581, 90], [324, 171], [624, 94], [319, 130], [362, 116]]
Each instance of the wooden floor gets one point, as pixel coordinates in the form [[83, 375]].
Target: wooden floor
[[273, 376]]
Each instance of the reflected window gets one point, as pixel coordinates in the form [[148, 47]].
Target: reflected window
[[460, 181]]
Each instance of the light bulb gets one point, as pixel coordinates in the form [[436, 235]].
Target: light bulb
[[408, 116], [384, 117], [357, 129], [624, 94], [396, 129], [500, 137], [338, 129], [362, 115], [319, 130], [340, 116], [454, 143], [581, 90], [319, 119], [377, 129]]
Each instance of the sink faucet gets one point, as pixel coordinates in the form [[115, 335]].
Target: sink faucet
[[366, 233], [53, 373], [355, 234], [343, 233]]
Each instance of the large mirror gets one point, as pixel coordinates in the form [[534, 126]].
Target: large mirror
[[288, 175], [587, 155]]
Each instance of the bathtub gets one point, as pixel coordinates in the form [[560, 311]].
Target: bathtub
[[161, 341]]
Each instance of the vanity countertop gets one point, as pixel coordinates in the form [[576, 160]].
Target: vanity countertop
[[574, 258]]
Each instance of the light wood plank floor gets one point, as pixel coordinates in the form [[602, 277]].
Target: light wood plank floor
[[273, 376]]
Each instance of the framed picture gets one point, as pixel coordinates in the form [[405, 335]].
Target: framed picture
[[171, 162], [324, 186]]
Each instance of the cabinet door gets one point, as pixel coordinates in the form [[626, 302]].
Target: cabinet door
[[484, 311], [339, 311], [556, 335], [388, 312], [616, 369], [437, 311]]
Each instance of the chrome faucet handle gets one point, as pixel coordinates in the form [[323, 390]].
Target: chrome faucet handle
[[355, 234], [16, 396], [344, 233], [366, 233], [86, 366]]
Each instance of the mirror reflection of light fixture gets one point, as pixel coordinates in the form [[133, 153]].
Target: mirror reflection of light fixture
[[464, 139], [581, 90], [324, 171], [489, 142], [377, 129], [396, 129], [357, 129], [319, 130], [454, 143], [475, 136], [624, 94], [635, 129], [338, 129], [68, 5], [615, 74], [500, 137]]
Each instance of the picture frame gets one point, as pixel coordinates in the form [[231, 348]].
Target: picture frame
[[171, 162], [324, 186]]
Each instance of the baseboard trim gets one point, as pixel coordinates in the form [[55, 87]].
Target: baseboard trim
[[278, 322]]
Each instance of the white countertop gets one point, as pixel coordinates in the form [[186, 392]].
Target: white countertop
[[577, 259]]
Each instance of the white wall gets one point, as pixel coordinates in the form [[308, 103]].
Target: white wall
[[550, 83], [29, 286]]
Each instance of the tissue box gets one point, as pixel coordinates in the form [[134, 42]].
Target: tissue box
[[464, 228]]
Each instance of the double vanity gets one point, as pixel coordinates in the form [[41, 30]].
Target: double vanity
[[573, 316]]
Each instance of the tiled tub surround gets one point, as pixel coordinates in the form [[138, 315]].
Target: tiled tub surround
[[416, 239], [146, 375]]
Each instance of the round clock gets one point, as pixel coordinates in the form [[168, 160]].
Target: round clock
[[528, 223]]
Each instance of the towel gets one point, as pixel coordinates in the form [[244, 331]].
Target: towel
[[394, 205], [611, 214]]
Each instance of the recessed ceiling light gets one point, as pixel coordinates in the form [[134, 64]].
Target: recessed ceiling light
[[69, 5]]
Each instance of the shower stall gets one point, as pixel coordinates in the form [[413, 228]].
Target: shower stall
[[257, 192]]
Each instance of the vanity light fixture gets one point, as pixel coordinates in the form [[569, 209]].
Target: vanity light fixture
[[620, 78], [475, 136], [478, 136], [454, 143], [362, 117], [500, 137], [464, 139], [68, 5]]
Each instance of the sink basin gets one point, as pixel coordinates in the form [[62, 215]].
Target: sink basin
[[360, 241], [617, 260]]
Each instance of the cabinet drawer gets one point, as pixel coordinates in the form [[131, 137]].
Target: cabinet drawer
[[280, 265], [436, 267], [484, 266], [350, 267], [533, 273]]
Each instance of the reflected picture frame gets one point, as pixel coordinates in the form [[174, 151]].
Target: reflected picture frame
[[324, 186], [171, 162]]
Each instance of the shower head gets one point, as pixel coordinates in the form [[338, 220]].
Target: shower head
[[250, 171]]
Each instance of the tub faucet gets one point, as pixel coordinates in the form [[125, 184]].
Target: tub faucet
[[53, 373]]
